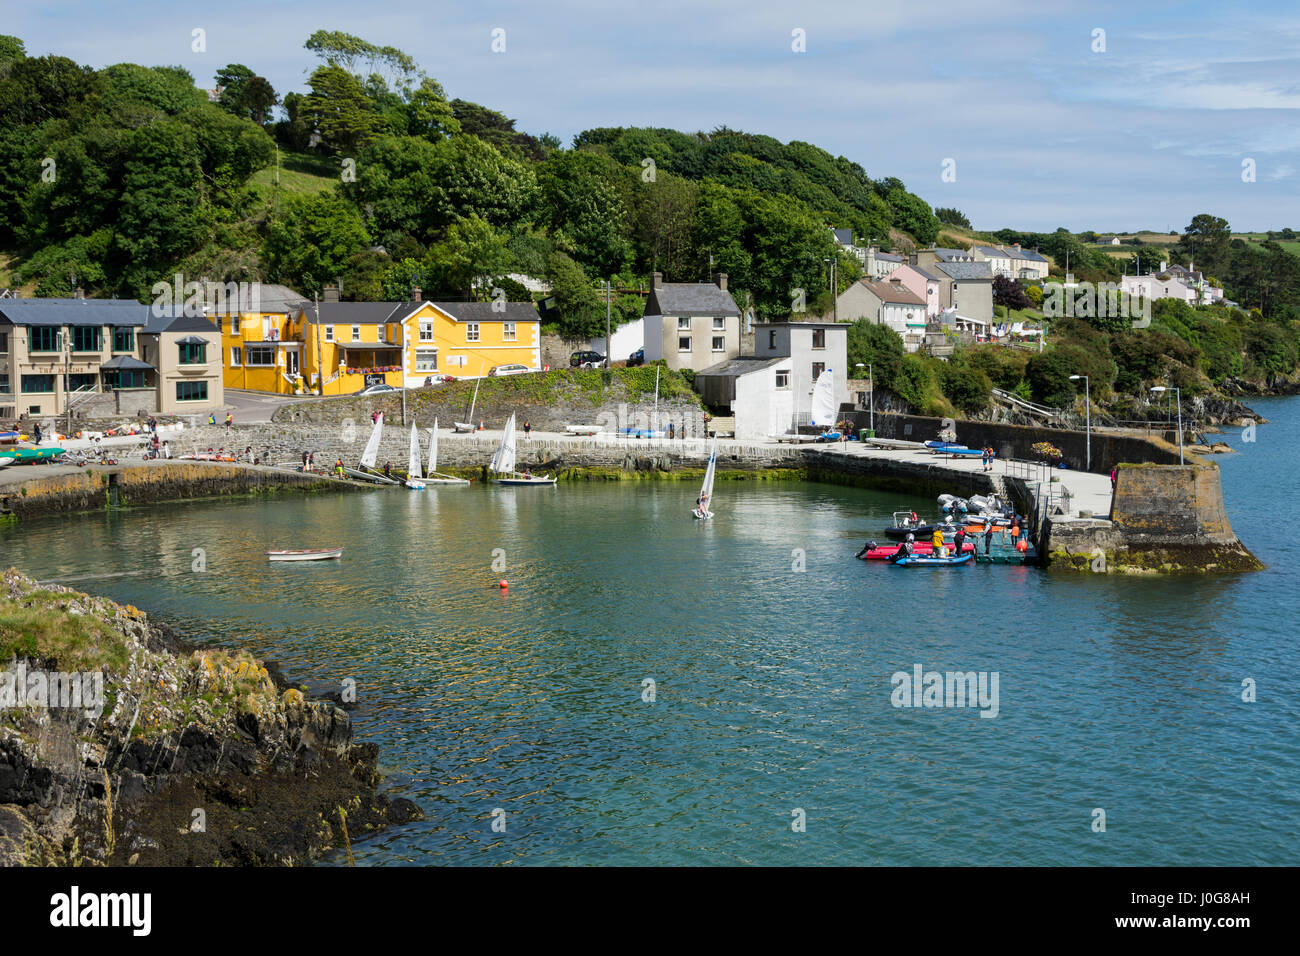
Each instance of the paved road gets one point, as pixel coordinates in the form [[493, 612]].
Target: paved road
[[255, 407]]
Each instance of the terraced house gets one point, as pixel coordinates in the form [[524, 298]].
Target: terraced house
[[291, 345], [105, 357]]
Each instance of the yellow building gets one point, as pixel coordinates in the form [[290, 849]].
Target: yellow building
[[258, 348], [285, 344]]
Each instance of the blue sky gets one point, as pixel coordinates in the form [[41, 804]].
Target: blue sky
[[1044, 131]]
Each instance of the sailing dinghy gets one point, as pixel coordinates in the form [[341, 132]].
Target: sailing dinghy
[[469, 426], [503, 462], [413, 476], [706, 490], [431, 477], [370, 455]]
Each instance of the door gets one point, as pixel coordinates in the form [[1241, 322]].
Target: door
[[291, 362]]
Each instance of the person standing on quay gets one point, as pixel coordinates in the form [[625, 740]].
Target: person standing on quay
[[988, 536], [528, 427]]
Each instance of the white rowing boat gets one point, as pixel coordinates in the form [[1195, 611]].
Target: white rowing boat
[[308, 554]]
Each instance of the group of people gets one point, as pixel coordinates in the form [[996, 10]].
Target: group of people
[[989, 455]]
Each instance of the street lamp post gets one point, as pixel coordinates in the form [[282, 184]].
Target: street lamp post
[[1087, 401], [608, 291], [1178, 397]]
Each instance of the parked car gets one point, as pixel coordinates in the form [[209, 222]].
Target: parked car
[[586, 359], [375, 390], [636, 358], [508, 370]]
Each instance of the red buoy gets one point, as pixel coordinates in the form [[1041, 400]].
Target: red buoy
[[502, 584]]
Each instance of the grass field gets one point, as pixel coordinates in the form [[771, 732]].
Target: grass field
[[299, 174]]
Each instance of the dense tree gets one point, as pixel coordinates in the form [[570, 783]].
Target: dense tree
[[581, 204], [878, 346], [951, 217], [245, 94], [311, 242], [1009, 293], [581, 313], [339, 110], [465, 263]]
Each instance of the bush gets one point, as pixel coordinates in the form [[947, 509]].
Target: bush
[[968, 389]]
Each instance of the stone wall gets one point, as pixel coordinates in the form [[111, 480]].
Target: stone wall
[[1163, 518], [1016, 441], [94, 488]]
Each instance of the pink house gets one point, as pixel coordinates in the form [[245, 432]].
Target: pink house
[[920, 282]]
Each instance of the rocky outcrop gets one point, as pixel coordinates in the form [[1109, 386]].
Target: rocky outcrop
[[188, 757]]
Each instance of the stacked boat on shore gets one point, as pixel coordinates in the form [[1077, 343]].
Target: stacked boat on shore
[[970, 516]]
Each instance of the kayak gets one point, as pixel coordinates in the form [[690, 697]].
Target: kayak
[[307, 554], [922, 560], [884, 551]]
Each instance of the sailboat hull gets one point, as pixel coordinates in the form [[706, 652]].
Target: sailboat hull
[[701, 517], [520, 480]]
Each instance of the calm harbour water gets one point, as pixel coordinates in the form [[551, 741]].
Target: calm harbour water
[[772, 686]]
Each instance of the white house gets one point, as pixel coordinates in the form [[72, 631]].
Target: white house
[[770, 392], [623, 341]]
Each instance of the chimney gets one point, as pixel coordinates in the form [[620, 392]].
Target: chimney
[[657, 282], [720, 280], [1016, 246], [79, 293], [1163, 265], [871, 261], [330, 294], [416, 292]]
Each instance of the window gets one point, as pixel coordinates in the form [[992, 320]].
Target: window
[[79, 381], [193, 354], [4, 382], [221, 325], [819, 338], [124, 340], [471, 332], [771, 338], [191, 391], [683, 343], [44, 339], [508, 332], [259, 355], [426, 331], [783, 378], [87, 338], [4, 343], [684, 323], [719, 323], [329, 333], [356, 333], [124, 379], [38, 383], [719, 343], [236, 356], [426, 360], [818, 368]]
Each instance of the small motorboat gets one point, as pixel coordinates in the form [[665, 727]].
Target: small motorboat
[[882, 552], [582, 429], [29, 456], [944, 444], [927, 560], [308, 554]]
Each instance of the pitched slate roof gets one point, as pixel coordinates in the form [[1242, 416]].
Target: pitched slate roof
[[844, 236], [965, 271], [358, 313], [741, 365], [58, 312], [946, 255], [1029, 254], [993, 251], [893, 294], [929, 275], [487, 311], [174, 319], [124, 362], [265, 297], [690, 298]]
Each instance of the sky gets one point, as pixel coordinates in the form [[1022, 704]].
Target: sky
[[1110, 116]]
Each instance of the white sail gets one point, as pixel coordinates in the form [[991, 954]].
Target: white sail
[[504, 460], [823, 400], [706, 489], [433, 449], [371, 452], [413, 459]]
